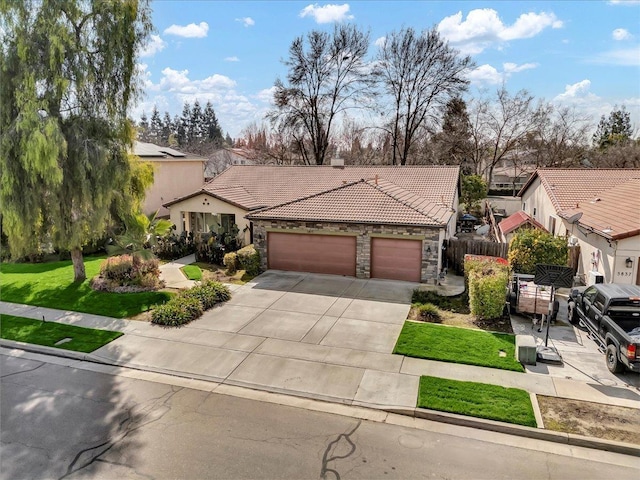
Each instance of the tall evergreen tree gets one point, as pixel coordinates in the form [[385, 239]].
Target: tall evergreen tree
[[184, 128], [614, 129], [143, 128], [168, 128], [196, 125], [68, 76], [212, 127], [155, 127]]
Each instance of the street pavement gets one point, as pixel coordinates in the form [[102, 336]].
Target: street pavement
[[69, 419], [315, 336]]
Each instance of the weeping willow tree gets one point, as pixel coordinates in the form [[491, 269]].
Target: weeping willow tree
[[68, 75]]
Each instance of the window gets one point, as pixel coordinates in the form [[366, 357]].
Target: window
[[589, 294], [203, 222], [599, 302], [534, 211], [552, 225], [227, 221]]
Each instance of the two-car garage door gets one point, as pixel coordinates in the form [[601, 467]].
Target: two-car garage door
[[391, 258]]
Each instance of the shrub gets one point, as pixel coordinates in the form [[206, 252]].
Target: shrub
[[532, 246], [119, 269], [172, 246], [190, 304], [231, 262], [208, 250], [170, 314], [455, 304], [429, 312], [249, 260], [487, 289]]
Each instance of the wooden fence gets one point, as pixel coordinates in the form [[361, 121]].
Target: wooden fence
[[457, 249]]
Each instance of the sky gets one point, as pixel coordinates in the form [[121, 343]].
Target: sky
[[582, 53]]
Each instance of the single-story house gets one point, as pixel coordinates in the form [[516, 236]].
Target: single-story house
[[366, 222], [597, 209], [513, 223], [175, 174]]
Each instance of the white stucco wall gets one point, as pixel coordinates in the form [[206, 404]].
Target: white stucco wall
[[208, 204], [537, 204], [171, 180]]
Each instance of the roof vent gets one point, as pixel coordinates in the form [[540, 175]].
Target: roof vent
[[595, 200]]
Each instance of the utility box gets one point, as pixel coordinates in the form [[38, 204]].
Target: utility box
[[526, 349]]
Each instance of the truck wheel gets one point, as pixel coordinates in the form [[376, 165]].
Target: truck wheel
[[613, 363]]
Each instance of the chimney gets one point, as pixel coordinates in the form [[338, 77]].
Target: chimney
[[337, 162]]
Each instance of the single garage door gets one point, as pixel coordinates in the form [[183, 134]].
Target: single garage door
[[396, 259], [333, 254]]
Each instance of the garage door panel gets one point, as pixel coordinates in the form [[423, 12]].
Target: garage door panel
[[396, 259], [332, 254]]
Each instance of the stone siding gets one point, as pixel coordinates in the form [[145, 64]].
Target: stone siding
[[364, 233]]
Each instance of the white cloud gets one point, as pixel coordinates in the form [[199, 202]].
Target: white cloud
[[232, 59], [155, 45], [576, 90], [266, 95], [489, 75], [380, 42], [188, 31], [624, 2], [621, 34], [246, 21], [327, 13], [626, 57], [483, 28]]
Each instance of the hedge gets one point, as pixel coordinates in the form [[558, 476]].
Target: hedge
[[249, 260], [190, 304], [487, 282]]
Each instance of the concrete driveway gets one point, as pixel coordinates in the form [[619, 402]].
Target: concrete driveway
[[365, 315]]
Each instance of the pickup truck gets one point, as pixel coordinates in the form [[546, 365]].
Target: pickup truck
[[611, 314]]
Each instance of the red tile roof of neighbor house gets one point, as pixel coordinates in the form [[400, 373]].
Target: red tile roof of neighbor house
[[609, 199], [516, 220], [614, 213], [258, 186], [364, 201]]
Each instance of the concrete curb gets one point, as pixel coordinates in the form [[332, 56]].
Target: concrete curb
[[433, 415]]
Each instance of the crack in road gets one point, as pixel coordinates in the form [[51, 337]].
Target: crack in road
[[330, 456], [125, 426], [21, 372]]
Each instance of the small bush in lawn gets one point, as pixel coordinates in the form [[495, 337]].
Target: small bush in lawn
[[215, 290], [429, 312], [119, 268], [249, 260], [455, 304], [231, 262], [126, 273]]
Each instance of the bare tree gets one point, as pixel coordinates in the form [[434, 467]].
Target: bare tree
[[420, 72], [500, 128], [327, 75]]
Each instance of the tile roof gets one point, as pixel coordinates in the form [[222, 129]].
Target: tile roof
[[609, 199], [275, 185], [516, 220], [374, 201], [567, 187], [614, 213]]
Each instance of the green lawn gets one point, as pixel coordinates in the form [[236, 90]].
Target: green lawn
[[458, 345], [49, 333], [51, 285], [493, 402], [192, 272]]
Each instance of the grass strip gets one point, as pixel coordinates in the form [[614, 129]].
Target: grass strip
[[51, 285], [192, 272], [474, 399], [458, 345], [27, 330]]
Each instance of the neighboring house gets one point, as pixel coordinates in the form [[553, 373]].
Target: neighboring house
[[598, 209], [223, 158], [175, 174], [514, 223], [367, 222], [511, 177]]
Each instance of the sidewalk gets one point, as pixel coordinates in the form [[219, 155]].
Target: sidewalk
[[173, 276]]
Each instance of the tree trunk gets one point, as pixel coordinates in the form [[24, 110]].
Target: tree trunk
[[79, 274]]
